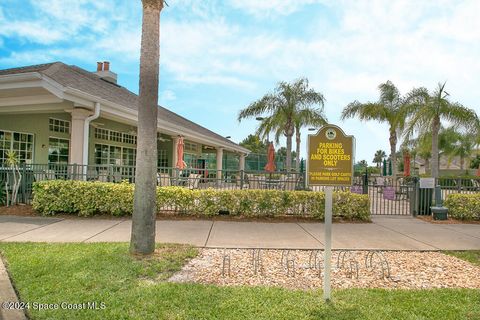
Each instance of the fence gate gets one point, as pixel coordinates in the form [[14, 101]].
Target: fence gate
[[390, 196]]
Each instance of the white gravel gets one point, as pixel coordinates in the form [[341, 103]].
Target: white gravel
[[406, 270]]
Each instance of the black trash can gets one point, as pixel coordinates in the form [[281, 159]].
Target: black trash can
[[425, 197]]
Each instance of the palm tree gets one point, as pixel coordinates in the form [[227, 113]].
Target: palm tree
[[389, 108], [426, 111], [144, 210], [459, 145], [305, 118], [379, 156], [289, 107]]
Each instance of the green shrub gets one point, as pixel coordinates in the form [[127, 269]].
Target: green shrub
[[463, 206], [88, 198]]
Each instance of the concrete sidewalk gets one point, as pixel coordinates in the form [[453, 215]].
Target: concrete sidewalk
[[385, 233]]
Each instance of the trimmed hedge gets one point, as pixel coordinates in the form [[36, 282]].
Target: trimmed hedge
[[463, 206], [89, 198]]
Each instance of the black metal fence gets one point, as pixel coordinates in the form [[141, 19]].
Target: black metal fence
[[190, 178], [388, 196], [406, 195]]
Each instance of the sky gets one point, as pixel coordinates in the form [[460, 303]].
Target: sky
[[216, 57]]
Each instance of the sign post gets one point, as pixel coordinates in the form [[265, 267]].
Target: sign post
[[329, 164]]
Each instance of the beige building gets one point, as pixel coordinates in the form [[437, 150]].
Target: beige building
[[56, 113]]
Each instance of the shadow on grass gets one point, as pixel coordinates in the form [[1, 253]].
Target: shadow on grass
[[332, 311]]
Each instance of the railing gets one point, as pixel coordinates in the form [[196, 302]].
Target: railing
[[192, 178]]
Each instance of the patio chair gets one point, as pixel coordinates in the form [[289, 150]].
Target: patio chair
[[193, 180], [40, 175], [50, 174], [163, 180], [91, 174], [103, 175], [256, 182], [290, 183], [117, 177]]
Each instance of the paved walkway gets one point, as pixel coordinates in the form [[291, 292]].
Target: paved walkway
[[385, 233]]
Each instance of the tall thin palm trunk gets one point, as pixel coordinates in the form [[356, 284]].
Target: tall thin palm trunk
[[144, 211], [393, 151], [288, 159], [435, 131], [297, 150]]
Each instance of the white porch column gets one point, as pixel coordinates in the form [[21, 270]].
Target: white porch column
[[219, 163], [76, 137], [241, 162]]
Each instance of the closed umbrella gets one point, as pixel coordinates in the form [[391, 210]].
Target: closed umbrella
[[406, 164], [478, 171], [270, 167], [180, 163], [390, 167], [384, 169]]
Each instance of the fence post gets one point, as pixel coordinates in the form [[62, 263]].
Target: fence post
[[24, 182], [365, 182], [241, 179], [459, 185], [414, 197], [74, 170]]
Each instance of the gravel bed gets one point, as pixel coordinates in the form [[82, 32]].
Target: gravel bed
[[405, 270]]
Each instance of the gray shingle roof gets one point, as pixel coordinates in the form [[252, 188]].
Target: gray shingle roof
[[88, 82]]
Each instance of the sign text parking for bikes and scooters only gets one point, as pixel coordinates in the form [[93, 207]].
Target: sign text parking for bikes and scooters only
[[330, 163]]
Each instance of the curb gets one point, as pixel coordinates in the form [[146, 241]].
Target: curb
[[7, 294]]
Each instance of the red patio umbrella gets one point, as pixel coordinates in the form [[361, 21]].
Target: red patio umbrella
[[270, 167], [180, 163], [406, 164]]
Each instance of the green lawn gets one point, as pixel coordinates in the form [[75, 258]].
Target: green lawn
[[472, 256], [133, 289]]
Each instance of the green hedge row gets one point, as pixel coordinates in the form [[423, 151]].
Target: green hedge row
[[88, 198], [463, 206]]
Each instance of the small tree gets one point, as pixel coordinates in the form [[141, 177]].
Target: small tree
[[12, 161], [378, 157]]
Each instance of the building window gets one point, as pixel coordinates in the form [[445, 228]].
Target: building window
[[58, 150], [57, 125], [21, 143], [101, 134], [190, 147], [107, 154], [190, 159], [162, 158], [129, 138], [115, 136]]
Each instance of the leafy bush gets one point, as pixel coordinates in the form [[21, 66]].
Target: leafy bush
[[88, 198], [463, 206]]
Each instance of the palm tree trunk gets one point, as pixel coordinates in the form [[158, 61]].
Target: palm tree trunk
[[288, 159], [298, 141], [462, 162], [144, 210], [435, 130], [393, 151]]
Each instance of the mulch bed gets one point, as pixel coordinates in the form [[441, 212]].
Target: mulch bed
[[407, 269], [448, 221], [27, 210]]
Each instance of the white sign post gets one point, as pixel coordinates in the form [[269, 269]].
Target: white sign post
[[327, 262], [329, 164]]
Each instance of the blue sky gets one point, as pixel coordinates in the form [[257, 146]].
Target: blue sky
[[218, 56]]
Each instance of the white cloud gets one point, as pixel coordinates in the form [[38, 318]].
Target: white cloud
[[259, 8], [166, 96]]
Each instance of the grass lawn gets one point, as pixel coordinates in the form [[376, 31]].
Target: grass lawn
[[134, 289], [472, 256]]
